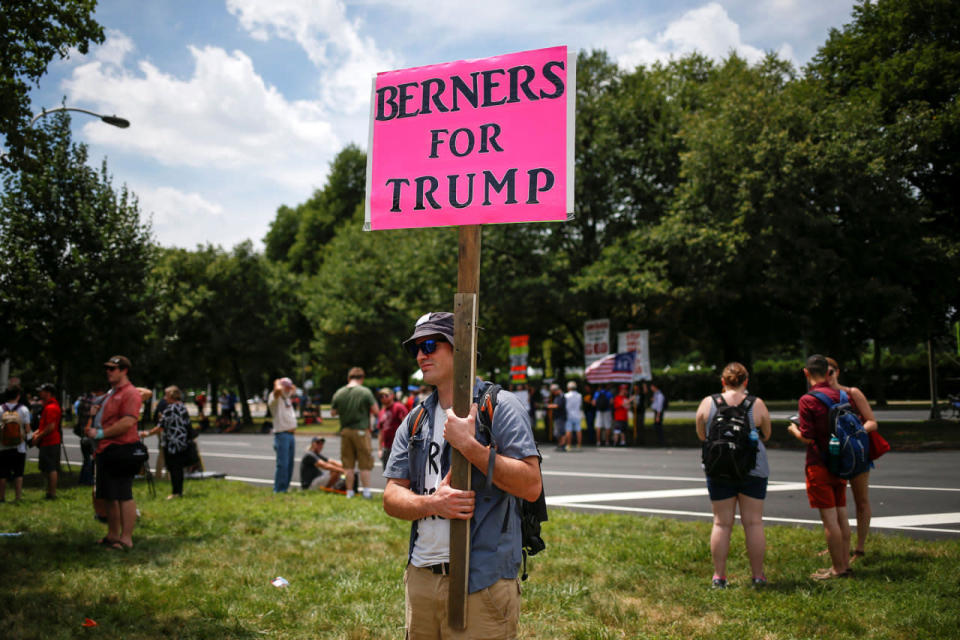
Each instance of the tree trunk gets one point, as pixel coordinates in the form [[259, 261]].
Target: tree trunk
[[242, 390], [214, 400], [879, 388]]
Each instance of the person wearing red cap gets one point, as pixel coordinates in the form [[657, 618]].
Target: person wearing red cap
[[48, 437], [621, 415]]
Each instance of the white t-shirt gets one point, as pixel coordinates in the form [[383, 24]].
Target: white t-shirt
[[574, 402], [657, 404], [433, 533], [284, 415]]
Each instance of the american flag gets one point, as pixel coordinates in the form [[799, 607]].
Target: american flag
[[616, 367]]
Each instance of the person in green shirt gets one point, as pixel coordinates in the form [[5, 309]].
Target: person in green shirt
[[354, 404]]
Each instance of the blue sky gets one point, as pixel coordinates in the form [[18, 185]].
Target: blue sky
[[238, 106]]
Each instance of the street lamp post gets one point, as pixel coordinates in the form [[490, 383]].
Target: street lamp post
[[113, 120]]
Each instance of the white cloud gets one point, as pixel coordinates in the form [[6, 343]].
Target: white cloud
[[174, 212], [708, 30], [115, 48], [347, 60], [224, 117]]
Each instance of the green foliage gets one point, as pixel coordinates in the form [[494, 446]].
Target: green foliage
[[222, 316], [319, 217], [370, 291], [76, 256], [32, 34], [282, 234]]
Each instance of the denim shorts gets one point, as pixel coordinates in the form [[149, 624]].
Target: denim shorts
[[752, 487]]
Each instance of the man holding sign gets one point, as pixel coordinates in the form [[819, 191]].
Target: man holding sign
[[418, 489]]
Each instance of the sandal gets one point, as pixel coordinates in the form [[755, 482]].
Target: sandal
[[105, 541], [857, 555], [117, 545], [829, 574]]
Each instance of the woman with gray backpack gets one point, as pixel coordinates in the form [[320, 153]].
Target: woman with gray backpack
[[733, 425]]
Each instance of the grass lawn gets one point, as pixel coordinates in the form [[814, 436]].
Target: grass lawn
[[202, 569]]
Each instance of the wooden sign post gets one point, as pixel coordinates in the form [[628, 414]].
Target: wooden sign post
[[465, 315], [463, 144]]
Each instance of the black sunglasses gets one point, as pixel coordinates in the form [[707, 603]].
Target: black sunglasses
[[427, 346], [110, 367]]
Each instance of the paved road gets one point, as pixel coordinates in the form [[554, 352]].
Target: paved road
[[914, 494]]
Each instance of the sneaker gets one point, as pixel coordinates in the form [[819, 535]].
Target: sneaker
[[366, 493], [760, 582], [350, 493], [719, 583]]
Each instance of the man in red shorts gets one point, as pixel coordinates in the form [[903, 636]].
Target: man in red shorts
[[826, 492]]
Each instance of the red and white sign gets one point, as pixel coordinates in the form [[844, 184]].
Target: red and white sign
[[596, 340], [473, 142]]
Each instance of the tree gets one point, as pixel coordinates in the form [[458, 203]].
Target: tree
[[330, 206], [222, 316], [31, 35], [904, 55], [903, 58], [369, 292], [282, 234], [76, 255]]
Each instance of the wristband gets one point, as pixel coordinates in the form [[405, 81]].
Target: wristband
[[99, 435]]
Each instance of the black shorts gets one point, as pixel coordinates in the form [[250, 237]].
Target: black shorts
[[112, 487], [11, 464], [751, 486], [49, 458]]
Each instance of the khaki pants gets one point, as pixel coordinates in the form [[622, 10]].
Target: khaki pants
[[492, 613]]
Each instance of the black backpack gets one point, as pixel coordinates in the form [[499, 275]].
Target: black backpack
[[603, 401], [729, 453], [531, 513]]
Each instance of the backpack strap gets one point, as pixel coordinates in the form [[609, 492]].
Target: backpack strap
[[417, 421], [718, 400], [822, 397], [747, 402], [486, 405]]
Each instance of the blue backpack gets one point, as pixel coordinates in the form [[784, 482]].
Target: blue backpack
[[853, 454]]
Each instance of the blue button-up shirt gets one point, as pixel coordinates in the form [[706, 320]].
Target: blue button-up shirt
[[495, 526]]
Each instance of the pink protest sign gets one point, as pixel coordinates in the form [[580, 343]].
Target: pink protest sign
[[473, 142]]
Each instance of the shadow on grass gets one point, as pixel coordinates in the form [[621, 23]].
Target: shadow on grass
[[61, 576]]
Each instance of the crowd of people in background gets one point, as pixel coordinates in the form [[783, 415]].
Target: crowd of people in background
[[605, 415], [110, 421]]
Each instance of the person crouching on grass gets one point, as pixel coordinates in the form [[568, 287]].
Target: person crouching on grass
[[418, 489]]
